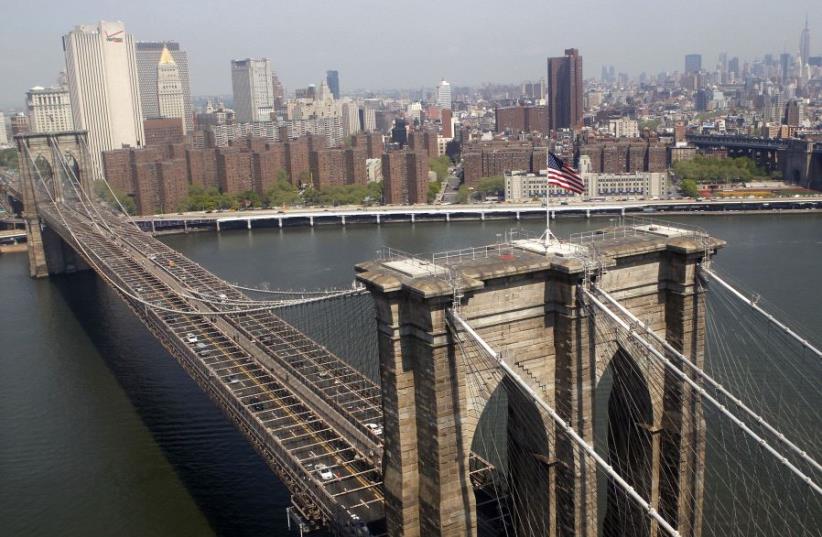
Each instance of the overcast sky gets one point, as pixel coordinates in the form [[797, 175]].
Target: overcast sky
[[390, 44]]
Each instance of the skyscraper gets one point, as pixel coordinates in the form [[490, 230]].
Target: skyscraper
[[563, 93], [693, 63], [251, 82], [444, 95], [4, 137], [169, 88], [102, 77], [148, 60], [805, 43], [785, 63], [279, 91], [332, 78], [49, 109]]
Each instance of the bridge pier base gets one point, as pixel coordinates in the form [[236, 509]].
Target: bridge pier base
[[38, 268]]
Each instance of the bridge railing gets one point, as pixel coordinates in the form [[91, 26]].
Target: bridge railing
[[635, 226]]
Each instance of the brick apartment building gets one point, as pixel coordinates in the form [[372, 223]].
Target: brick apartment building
[[163, 131], [424, 141], [518, 119], [159, 177], [626, 156], [405, 177], [487, 159]]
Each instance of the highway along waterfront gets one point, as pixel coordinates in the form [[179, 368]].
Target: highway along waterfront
[[104, 434]]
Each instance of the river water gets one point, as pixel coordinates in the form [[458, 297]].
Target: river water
[[102, 433]]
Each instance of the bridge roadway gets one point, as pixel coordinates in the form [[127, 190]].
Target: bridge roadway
[[258, 368], [412, 213]]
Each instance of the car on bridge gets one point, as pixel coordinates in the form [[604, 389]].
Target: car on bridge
[[191, 338], [325, 473]]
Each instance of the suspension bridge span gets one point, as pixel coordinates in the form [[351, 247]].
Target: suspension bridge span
[[484, 418]]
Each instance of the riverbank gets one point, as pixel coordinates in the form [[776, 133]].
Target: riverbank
[[342, 216]]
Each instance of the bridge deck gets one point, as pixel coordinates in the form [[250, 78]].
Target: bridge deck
[[296, 438]]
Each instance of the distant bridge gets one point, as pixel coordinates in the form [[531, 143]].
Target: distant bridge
[[800, 161]]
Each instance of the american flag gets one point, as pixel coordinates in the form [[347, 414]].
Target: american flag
[[563, 176]]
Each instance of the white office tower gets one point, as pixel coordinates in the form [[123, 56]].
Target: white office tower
[[102, 79], [170, 89], [444, 95], [4, 138], [350, 117], [49, 109], [253, 90]]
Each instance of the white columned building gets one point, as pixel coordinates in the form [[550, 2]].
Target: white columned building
[[49, 109]]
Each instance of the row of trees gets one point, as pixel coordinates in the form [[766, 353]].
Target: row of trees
[[703, 169], [282, 194], [487, 186]]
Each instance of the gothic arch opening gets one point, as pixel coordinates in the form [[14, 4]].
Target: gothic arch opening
[[623, 433], [512, 435], [43, 176]]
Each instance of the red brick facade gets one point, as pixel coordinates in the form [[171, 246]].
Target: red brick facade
[[405, 177]]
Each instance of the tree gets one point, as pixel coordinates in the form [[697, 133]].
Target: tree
[[113, 196], [8, 157], [440, 166], [704, 169], [494, 185], [249, 198], [281, 194], [463, 194], [434, 188], [282, 176], [689, 188]]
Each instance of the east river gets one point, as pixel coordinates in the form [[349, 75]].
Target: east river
[[102, 433]]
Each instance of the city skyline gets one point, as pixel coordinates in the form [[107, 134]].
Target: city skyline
[[366, 66]]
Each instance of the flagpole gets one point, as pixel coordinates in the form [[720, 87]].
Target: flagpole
[[547, 215]]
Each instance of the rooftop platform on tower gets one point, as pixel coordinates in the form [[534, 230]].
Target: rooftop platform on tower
[[520, 252]]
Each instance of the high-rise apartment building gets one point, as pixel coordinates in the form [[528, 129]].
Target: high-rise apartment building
[[444, 95], [251, 81], [805, 43], [149, 55], [101, 69], [693, 63], [332, 78], [563, 93], [49, 109]]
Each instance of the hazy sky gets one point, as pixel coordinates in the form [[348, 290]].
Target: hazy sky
[[389, 44]]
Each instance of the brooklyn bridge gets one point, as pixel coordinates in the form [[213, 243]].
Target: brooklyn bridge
[[482, 419]]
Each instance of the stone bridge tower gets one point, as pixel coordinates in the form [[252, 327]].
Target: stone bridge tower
[[43, 159], [528, 306]]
